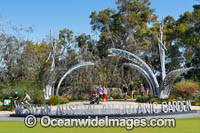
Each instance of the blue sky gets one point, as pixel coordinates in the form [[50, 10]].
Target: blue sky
[[44, 15]]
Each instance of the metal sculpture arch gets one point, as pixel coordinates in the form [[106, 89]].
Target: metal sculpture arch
[[142, 66], [82, 64], [167, 80], [145, 74], [137, 63]]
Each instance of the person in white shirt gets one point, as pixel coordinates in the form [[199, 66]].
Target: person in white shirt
[[100, 91], [26, 98]]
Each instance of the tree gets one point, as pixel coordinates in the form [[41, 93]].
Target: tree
[[126, 27], [185, 41]]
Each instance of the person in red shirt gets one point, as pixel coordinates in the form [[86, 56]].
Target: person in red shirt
[[104, 94]]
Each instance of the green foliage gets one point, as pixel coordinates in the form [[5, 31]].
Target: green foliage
[[37, 98], [183, 37], [33, 89], [63, 100], [128, 97], [132, 26], [54, 100], [196, 100], [3, 108], [144, 99], [76, 98], [117, 96], [185, 89], [156, 100], [147, 99], [128, 22]]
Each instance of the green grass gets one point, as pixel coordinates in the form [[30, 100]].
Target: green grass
[[182, 126]]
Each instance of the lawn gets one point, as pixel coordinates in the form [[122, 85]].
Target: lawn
[[182, 126]]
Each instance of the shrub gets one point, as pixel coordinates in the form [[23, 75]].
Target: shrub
[[3, 108], [155, 100], [143, 99], [128, 97], [33, 89], [76, 98], [117, 96], [197, 104], [197, 100], [73, 98], [180, 99], [38, 100], [63, 100], [54, 100], [136, 93], [171, 100], [185, 89]]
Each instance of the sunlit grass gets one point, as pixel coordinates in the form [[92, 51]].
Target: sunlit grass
[[191, 125]]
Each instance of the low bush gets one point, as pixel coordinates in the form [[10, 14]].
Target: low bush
[[185, 89], [63, 100], [3, 108], [195, 103], [180, 99], [155, 100], [171, 100], [144, 99], [128, 97], [33, 89], [39, 100], [76, 98], [117, 96], [54, 100]]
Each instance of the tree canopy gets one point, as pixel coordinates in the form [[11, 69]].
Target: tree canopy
[[132, 26]]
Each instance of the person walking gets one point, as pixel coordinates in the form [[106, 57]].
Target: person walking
[[142, 90], [104, 94], [100, 92], [146, 88], [15, 98], [124, 91], [132, 90]]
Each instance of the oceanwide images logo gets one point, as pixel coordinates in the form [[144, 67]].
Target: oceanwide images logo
[[128, 123]]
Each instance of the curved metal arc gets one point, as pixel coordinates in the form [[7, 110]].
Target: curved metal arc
[[132, 57], [145, 74], [169, 80], [82, 64]]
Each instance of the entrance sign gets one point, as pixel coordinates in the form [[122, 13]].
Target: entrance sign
[[108, 109]]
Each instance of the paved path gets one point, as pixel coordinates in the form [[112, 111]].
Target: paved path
[[4, 115]]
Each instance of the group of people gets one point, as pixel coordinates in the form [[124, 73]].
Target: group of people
[[102, 93], [144, 90], [25, 100]]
